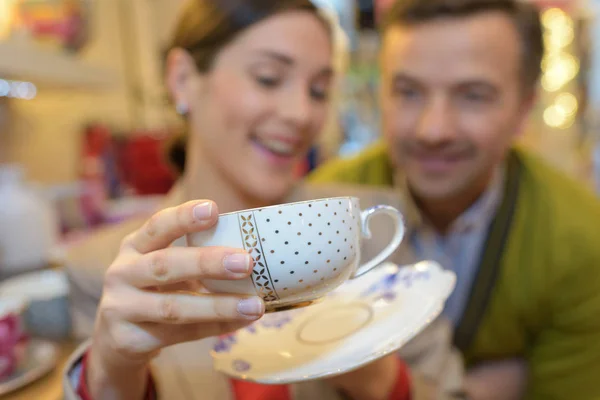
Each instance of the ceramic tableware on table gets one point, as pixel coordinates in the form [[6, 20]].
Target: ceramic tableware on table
[[46, 297], [12, 337], [361, 321], [32, 306], [301, 251], [39, 357], [28, 224]]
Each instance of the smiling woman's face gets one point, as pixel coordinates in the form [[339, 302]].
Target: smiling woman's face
[[261, 106]]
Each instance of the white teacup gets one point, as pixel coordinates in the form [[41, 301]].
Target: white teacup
[[301, 251]]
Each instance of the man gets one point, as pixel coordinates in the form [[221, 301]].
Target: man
[[458, 82]]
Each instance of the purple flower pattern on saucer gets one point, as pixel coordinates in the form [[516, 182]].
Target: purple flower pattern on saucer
[[273, 321], [252, 328], [241, 365], [276, 321], [388, 296], [270, 321], [385, 288], [225, 343]]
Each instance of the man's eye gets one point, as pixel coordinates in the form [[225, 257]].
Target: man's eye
[[267, 81]]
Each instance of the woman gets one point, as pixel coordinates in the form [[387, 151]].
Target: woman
[[252, 78]]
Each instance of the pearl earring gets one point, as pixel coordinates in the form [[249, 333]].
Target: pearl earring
[[182, 108]]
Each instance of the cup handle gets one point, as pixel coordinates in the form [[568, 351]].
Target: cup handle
[[365, 217]]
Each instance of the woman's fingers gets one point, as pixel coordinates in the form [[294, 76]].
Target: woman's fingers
[[172, 334], [134, 341], [168, 225], [182, 308], [178, 264]]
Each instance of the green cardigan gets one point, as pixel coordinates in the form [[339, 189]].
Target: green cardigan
[[537, 292]]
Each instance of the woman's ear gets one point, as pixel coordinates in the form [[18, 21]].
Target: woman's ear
[[181, 68]]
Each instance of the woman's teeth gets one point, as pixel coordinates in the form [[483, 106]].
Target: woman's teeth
[[277, 146]]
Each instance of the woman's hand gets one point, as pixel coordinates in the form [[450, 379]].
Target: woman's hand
[[151, 299]]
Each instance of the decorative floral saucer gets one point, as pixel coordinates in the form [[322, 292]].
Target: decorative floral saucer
[[40, 358], [359, 322]]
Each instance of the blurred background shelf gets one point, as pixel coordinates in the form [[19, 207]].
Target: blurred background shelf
[[27, 61]]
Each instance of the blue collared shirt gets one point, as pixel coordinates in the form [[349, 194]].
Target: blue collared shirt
[[457, 250]]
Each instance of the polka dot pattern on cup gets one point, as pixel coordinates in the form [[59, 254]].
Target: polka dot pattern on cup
[[305, 245]]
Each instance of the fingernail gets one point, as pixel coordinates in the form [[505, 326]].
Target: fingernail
[[203, 211], [237, 263], [252, 307]]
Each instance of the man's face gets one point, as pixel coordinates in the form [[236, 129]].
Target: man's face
[[452, 101]]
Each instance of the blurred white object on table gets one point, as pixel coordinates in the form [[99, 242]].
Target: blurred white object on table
[[28, 226]]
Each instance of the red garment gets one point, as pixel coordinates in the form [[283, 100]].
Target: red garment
[[84, 393], [252, 391]]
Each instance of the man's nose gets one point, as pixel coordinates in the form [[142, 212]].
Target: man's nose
[[437, 121]]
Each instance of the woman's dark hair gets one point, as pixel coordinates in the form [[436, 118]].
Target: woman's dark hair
[[206, 26]]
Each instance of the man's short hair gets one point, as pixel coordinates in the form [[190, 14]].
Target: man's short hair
[[524, 15]]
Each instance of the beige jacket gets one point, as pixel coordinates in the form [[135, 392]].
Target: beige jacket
[[185, 371]]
